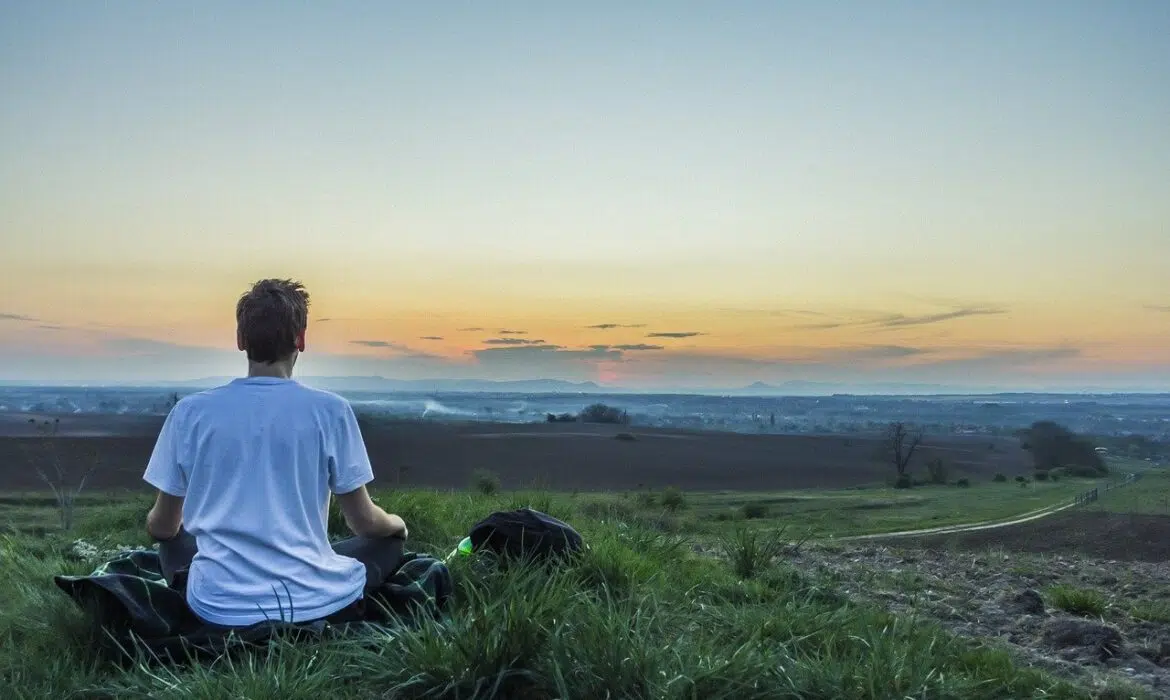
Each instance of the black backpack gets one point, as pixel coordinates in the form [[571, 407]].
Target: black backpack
[[526, 534]]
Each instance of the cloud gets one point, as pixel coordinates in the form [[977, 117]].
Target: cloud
[[400, 350], [1162, 308], [51, 327], [505, 331], [513, 341], [822, 326], [877, 352], [628, 347], [472, 329], [675, 334], [610, 326], [324, 320], [901, 320], [543, 352], [430, 337], [17, 317]]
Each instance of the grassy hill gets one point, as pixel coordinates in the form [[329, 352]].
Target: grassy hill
[[641, 615]]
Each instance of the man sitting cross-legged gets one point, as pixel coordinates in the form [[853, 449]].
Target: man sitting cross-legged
[[244, 474]]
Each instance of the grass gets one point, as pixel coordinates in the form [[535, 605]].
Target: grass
[[1078, 601], [1149, 495], [846, 512], [640, 615]]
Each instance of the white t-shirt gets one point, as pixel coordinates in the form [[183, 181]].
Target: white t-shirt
[[256, 460]]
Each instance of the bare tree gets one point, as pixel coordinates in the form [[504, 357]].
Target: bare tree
[[902, 442], [57, 476]]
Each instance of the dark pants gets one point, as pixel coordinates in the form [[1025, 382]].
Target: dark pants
[[381, 555]]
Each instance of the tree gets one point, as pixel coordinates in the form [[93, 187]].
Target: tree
[[56, 476], [601, 413], [1054, 447], [901, 443]]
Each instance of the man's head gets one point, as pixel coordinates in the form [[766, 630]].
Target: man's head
[[271, 319]]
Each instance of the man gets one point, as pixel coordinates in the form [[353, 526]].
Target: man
[[244, 474]]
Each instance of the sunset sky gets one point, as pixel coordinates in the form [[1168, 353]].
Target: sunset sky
[[647, 194]]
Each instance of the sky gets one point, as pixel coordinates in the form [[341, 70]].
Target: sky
[[645, 195]]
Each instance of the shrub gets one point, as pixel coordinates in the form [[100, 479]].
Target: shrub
[[485, 481], [673, 499], [646, 499], [904, 482], [750, 551], [754, 511], [627, 437], [1022, 480], [1040, 475], [963, 483], [601, 413], [999, 478], [936, 469], [562, 418], [1078, 601]]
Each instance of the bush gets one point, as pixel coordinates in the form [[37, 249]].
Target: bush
[[562, 418], [627, 437], [1000, 478], [936, 470], [1022, 480], [963, 483], [485, 481], [904, 482], [754, 511], [1040, 475], [673, 499], [601, 413]]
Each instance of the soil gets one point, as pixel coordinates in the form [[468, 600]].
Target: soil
[[1003, 597], [1118, 536], [553, 456]]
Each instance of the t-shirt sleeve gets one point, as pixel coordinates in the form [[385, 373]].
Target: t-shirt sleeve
[[165, 471], [349, 463]]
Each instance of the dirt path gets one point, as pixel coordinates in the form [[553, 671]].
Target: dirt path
[[965, 527]]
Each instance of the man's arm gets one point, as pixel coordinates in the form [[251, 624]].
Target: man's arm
[[366, 518], [166, 473], [165, 517]]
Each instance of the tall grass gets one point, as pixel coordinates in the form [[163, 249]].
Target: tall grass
[[639, 615]]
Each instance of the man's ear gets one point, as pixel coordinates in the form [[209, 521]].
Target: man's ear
[[239, 340], [301, 341]]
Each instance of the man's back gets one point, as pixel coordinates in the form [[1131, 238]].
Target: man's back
[[256, 460]]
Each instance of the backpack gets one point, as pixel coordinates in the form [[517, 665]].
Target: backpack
[[525, 533]]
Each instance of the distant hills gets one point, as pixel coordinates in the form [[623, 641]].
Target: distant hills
[[796, 388]]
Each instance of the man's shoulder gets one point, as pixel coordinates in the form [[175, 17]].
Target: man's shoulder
[[326, 399]]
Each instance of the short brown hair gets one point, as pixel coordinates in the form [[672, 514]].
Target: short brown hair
[[270, 316]]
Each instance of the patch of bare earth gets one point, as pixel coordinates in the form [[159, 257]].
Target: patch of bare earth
[[1005, 597]]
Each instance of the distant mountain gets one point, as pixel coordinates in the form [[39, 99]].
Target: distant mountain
[[807, 388]]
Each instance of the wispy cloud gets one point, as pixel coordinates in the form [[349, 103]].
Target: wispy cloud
[[901, 320], [882, 321], [471, 329], [51, 327], [534, 352], [505, 331], [17, 317], [430, 337], [1162, 308], [610, 326], [513, 341], [636, 347], [675, 334]]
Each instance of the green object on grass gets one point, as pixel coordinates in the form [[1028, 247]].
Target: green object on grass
[[462, 550]]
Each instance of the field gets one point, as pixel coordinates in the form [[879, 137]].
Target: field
[[548, 456], [685, 593]]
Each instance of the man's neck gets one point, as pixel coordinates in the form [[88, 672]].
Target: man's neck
[[278, 370]]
